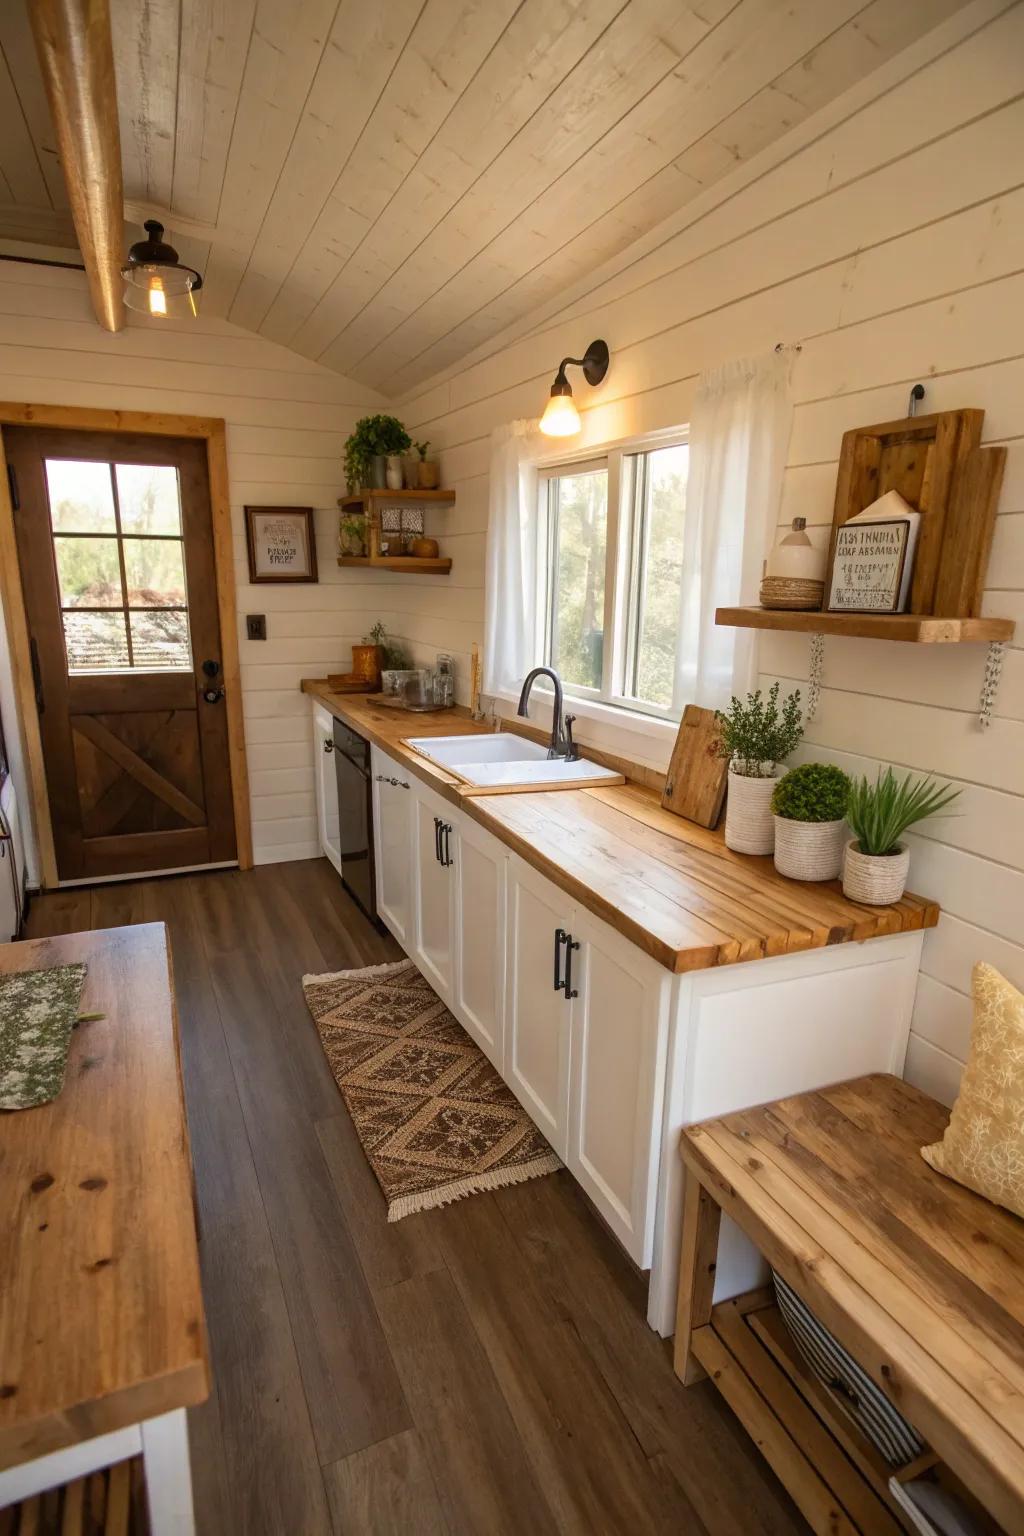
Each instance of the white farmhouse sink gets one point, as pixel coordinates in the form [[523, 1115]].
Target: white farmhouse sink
[[502, 762]]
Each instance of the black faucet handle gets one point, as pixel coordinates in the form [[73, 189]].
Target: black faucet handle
[[572, 751]]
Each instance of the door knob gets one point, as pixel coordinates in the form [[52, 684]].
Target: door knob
[[211, 668], [213, 695]]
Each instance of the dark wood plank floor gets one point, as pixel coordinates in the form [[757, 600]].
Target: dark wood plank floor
[[473, 1371]]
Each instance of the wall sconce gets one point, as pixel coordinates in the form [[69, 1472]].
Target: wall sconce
[[561, 418], [155, 281]]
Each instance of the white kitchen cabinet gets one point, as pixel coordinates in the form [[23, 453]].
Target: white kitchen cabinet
[[393, 820], [325, 783], [537, 1015], [478, 874], [435, 857]]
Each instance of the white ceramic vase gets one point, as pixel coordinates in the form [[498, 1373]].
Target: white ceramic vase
[[809, 850], [749, 824], [394, 472], [876, 880]]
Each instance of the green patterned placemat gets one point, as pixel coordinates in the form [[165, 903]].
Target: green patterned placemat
[[38, 1010]]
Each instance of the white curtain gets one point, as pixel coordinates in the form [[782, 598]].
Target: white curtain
[[739, 433], [511, 557]]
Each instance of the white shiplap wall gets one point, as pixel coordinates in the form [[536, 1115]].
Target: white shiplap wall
[[887, 235], [287, 420]]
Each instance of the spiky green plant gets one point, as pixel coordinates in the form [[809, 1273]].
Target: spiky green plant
[[812, 792], [881, 812], [758, 734]]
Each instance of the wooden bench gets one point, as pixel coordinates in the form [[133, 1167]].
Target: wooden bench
[[920, 1280]]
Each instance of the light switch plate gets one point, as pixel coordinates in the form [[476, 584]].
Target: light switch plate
[[256, 626]]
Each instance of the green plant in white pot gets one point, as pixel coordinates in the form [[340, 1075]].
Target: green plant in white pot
[[755, 736], [809, 806], [875, 863]]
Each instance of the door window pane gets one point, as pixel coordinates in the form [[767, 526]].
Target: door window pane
[[89, 572], [659, 587], [578, 513], [81, 496], [147, 495], [160, 638], [154, 573], [95, 642]]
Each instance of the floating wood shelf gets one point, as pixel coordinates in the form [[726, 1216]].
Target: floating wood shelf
[[918, 628], [368, 498], [408, 565]]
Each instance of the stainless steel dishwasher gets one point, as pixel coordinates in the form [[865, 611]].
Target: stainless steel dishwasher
[[355, 818]]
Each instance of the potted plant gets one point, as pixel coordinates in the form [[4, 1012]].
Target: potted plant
[[875, 863], [809, 807], [366, 450], [429, 469], [352, 534], [755, 737], [393, 656]]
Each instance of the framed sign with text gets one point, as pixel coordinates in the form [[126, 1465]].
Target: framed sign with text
[[869, 567], [281, 543]]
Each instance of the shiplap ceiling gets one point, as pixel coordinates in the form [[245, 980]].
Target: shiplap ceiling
[[383, 185]]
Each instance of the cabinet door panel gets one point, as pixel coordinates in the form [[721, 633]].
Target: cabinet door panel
[[620, 1028], [325, 782], [434, 893], [537, 1020], [393, 826], [480, 948]]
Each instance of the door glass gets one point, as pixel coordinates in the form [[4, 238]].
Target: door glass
[[120, 558], [81, 496]]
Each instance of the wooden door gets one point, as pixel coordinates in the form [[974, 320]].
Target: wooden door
[[537, 1015], [115, 544]]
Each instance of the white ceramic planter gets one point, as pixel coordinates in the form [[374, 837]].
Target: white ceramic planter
[[876, 880], [809, 850], [749, 823]]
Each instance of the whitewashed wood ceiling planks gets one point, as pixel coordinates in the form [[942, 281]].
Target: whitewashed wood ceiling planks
[[383, 187]]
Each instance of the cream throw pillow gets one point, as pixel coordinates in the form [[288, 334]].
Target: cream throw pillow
[[983, 1144]]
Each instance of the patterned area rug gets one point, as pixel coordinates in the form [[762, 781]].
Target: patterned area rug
[[434, 1118]]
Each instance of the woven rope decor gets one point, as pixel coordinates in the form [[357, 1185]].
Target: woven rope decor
[[434, 1118]]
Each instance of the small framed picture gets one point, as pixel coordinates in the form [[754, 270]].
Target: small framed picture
[[281, 543], [870, 571]]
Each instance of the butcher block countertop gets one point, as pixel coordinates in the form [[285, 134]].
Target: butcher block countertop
[[671, 887]]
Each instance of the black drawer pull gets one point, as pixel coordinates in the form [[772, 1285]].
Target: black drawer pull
[[570, 945], [560, 938], [446, 828], [437, 839]]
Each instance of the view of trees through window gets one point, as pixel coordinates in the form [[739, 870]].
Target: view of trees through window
[[120, 564], [581, 565]]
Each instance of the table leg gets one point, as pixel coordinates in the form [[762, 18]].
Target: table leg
[[698, 1260], [168, 1474]]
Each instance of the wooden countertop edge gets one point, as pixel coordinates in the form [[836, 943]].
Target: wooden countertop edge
[[855, 924]]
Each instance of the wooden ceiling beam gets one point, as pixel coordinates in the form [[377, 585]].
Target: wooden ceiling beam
[[73, 40]]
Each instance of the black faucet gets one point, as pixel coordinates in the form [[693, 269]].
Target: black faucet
[[562, 744]]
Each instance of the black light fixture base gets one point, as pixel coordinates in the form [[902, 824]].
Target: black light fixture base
[[595, 362]]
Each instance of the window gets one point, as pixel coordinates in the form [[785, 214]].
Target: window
[[610, 598], [119, 555]]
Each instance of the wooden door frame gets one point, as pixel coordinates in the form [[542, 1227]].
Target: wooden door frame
[[156, 424]]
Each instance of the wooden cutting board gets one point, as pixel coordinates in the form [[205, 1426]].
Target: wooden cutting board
[[695, 787]]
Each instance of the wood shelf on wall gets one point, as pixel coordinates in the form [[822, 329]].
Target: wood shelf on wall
[[916, 628], [406, 565], [368, 498]]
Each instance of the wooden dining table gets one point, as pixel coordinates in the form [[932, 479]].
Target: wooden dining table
[[102, 1333]]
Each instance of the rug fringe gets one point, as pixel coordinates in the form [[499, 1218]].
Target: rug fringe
[[446, 1194], [392, 967]]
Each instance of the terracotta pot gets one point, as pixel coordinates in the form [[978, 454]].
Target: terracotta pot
[[424, 549], [875, 879], [749, 824], [429, 474], [809, 850], [367, 661]]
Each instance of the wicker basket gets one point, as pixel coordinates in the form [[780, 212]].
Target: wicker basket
[[809, 850], [793, 592], [749, 824], [876, 880]]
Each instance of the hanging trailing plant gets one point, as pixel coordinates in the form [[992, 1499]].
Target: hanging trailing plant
[[370, 436]]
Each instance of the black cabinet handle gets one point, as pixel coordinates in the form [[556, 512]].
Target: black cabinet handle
[[437, 839], [560, 938], [328, 745], [447, 830], [570, 945]]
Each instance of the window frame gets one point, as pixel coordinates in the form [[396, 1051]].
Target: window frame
[[624, 569]]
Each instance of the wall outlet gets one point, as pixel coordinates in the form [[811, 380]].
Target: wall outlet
[[256, 626]]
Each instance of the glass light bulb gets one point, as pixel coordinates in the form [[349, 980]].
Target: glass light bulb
[[561, 418], [157, 297]]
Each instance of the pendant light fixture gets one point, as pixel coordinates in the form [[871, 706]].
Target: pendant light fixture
[[561, 418], [155, 281]]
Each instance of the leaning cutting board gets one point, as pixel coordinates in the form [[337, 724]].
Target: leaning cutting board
[[695, 787]]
